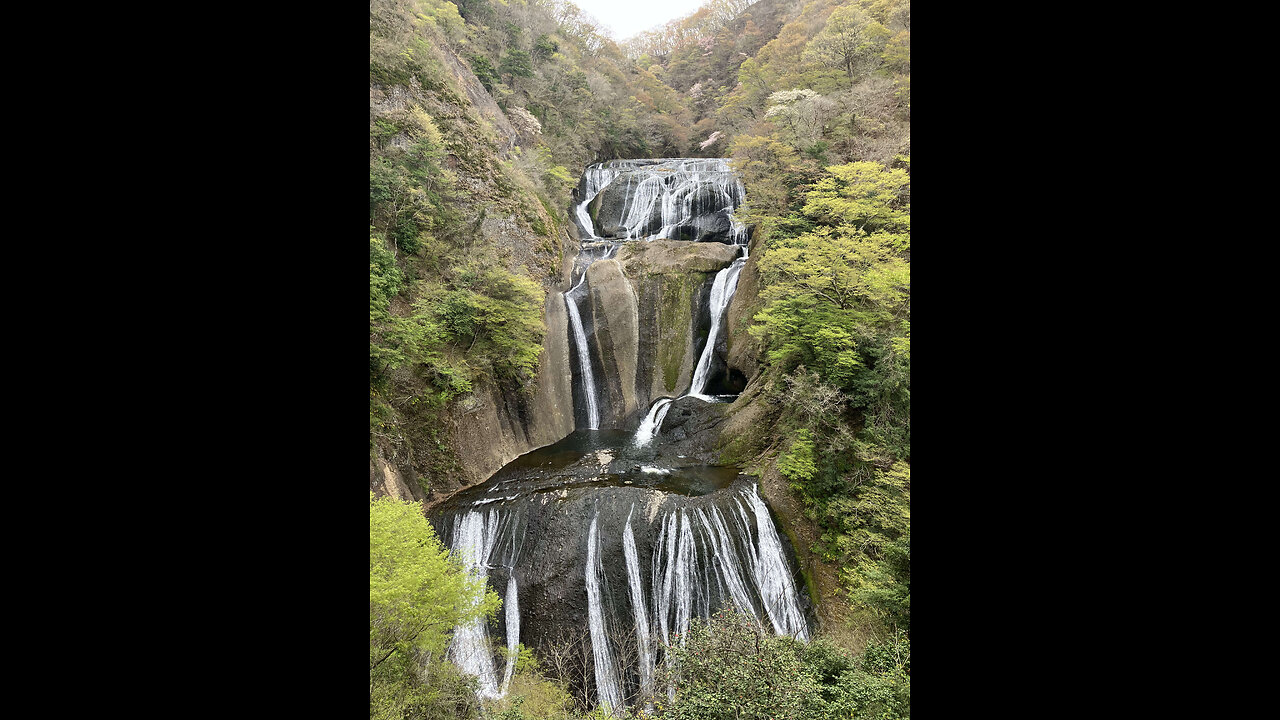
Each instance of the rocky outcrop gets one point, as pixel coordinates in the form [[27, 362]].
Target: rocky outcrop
[[384, 479], [743, 349], [690, 432], [425, 454], [528, 129], [481, 100], [614, 339], [646, 321]]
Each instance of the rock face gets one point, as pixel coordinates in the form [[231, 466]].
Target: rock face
[[691, 430], [646, 322], [490, 428], [614, 338], [742, 350], [589, 539]]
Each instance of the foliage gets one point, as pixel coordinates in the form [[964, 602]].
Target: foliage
[[730, 668], [767, 677], [531, 695], [884, 586], [516, 63], [851, 41], [804, 114], [484, 71], [416, 594]]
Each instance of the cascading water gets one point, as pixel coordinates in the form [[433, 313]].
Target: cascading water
[[677, 199], [639, 609], [512, 606], [649, 426], [722, 290], [584, 356], [656, 555], [620, 550], [474, 536], [607, 692]]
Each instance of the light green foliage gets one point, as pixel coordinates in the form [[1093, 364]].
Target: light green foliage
[[864, 196], [883, 586], [836, 322], [851, 41], [837, 296], [417, 593], [531, 695], [490, 314], [797, 463], [769, 170], [442, 15]]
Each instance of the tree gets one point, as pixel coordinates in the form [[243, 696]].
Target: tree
[[516, 63], [850, 41], [417, 593], [802, 112]]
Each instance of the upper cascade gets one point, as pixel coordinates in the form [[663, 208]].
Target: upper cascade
[[674, 199]]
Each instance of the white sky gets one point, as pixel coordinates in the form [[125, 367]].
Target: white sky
[[628, 17]]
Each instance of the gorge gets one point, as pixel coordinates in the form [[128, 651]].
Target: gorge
[[639, 362]]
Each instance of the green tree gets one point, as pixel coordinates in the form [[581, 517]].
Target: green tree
[[516, 63], [851, 41], [484, 71], [417, 593]]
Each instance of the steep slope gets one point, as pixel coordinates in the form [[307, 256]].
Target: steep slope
[[467, 346]]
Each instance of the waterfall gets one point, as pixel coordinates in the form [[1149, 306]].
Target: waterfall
[[662, 574], [607, 692], [649, 426], [661, 197], [722, 290], [595, 177], [772, 576], [686, 540], [729, 564], [705, 553], [703, 545], [638, 609], [584, 356], [512, 604], [474, 536]]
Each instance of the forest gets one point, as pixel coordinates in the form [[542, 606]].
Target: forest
[[483, 116]]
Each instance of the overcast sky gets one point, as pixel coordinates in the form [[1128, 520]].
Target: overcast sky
[[628, 17]]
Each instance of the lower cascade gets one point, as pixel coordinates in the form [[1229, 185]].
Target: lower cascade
[[659, 549], [601, 542]]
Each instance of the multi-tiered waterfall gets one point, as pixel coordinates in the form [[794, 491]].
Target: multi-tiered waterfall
[[598, 537]]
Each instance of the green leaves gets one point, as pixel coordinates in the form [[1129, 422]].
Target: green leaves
[[864, 195], [727, 668], [797, 463], [417, 593]]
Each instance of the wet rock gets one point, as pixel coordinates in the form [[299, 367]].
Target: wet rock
[[615, 337], [691, 429]]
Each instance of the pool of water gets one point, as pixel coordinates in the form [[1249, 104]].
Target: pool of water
[[596, 458]]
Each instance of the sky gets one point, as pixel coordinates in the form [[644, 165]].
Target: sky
[[628, 17]]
